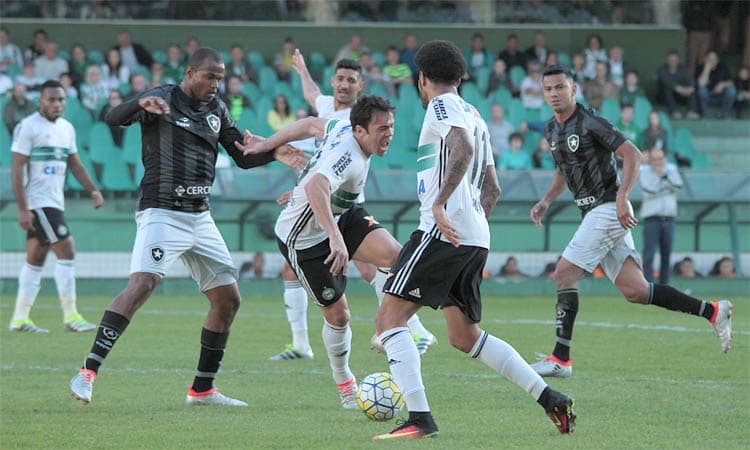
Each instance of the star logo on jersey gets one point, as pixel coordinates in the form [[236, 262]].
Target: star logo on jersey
[[157, 254], [213, 122], [573, 141]]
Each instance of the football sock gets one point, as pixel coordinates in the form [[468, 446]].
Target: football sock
[[567, 309], [338, 344], [416, 327], [406, 367], [66, 286], [295, 302], [29, 282], [212, 351], [381, 274], [110, 328], [504, 359], [670, 298]]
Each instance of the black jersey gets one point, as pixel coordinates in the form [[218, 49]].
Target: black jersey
[[180, 148], [583, 148]]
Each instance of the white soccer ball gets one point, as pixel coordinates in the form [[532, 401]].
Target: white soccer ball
[[379, 397]]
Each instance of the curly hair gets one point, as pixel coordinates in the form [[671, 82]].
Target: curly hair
[[441, 62]]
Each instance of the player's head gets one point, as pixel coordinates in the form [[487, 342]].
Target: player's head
[[51, 100], [440, 63], [205, 70], [347, 81], [559, 88], [372, 124]]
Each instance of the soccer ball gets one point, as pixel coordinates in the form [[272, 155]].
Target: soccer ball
[[379, 397]]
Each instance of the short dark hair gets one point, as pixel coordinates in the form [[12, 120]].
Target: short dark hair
[[557, 69], [50, 84], [441, 62], [363, 110], [349, 64], [626, 106], [516, 135], [196, 59]]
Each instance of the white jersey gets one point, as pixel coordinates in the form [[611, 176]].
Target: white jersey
[[464, 207], [48, 145], [341, 160], [324, 106]]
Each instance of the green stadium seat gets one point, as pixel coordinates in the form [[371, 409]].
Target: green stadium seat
[[282, 88], [251, 90], [377, 89], [470, 93], [641, 110], [325, 84], [683, 142], [379, 59], [564, 59], [483, 79], [515, 112], [248, 120], [95, 56], [131, 144], [267, 79], [124, 88], [256, 59], [116, 175], [545, 113], [297, 102], [13, 71], [611, 109], [532, 115], [666, 123], [5, 141], [101, 147], [503, 97], [225, 55], [517, 74], [316, 62], [531, 141], [700, 161], [262, 106], [72, 183], [295, 81], [139, 171], [63, 54], [485, 109], [160, 56]]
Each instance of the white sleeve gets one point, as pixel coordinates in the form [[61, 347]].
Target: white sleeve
[[338, 167], [323, 104], [445, 112], [23, 139]]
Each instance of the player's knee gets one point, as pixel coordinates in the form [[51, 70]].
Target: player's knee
[[142, 285], [564, 278], [461, 343], [634, 294]]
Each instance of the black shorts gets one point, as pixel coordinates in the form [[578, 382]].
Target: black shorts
[[49, 226], [434, 273], [316, 276]]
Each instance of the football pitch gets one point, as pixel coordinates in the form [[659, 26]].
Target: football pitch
[[643, 378]]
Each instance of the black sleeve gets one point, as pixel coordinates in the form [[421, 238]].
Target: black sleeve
[[229, 134], [125, 113], [604, 132]]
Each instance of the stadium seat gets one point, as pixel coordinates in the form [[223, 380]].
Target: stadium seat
[[248, 120], [683, 142], [95, 56], [131, 144], [611, 109], [641, 110], [379, 59], [295, 81], [483, 79], [139, 171], [316, 62], [124, 88], [485, 109], [563, 58], [101, 147], [517, 74], [160, 56], [282, 88], [5, 141], [545, 113], [225, 55], [267, 79], [666, 123], [532, 115], [256, 59], [515, 112], [470, 93], [325, 84], [116, 175], [700, 161], [502, 96], [251, 90], [377, 89], [72, 183]]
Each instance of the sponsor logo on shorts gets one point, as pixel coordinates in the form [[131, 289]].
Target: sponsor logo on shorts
[[213, 122], [157, 254], [415, 293], [573, 141], [61, 230], [328, 293]]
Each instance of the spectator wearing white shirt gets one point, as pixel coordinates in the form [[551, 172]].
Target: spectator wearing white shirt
[[93, 89], [531, 87], [10, 54], [500, 131], [114, 72], [49, 66], [29, 79]]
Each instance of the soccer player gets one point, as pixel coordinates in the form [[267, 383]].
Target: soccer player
[[181, 128], [441, 265], [44, 146], [346, 83], [584, 147], [323, 226]]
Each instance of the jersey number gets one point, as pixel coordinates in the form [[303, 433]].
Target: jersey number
[[420, 189]]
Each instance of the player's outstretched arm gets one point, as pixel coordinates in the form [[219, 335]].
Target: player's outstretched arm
[[17, 166], [490, 191], [458, 162], [82, 175], [310, 90], [126, 112], [301, 129], [318, 191], [554, 191], [631, 166]]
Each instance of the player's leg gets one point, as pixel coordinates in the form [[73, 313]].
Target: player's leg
[[337, 339], [295, 302], [65, 281], [651, 233], [29, 283]]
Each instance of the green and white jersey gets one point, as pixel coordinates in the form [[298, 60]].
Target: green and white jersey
[[341, 160], [47, 144], [464, 207]]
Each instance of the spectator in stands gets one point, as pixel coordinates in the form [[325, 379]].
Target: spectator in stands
[[281, 115], [36, 49], [499, 78], [132, 54], [29, 79], [723, 268], [234, 98], [676, 85], [6, 85], [627, 127], [93, 89], [742, 84], [500, 131], [254, 268], [552, 59], [510, 269], [18, 107], [476, 55], [511, 54], [114, 72], [156, 74], [618, 68], [174, 69], [78, 64], [396, 73], [49, 66], [654, 137], [371, 75], [191, 45], [67, 84], [516, 158], [538, 51], [531, 87], [542, 158], [600, 88], [10, 54], [631, 89], [408, 53], [138, 85], [594, 54], [660, 181], [715, 85], [114, 98], [283, 60], [578, 63], [549, 269], [352, 50], [238, 65], [685, 268]]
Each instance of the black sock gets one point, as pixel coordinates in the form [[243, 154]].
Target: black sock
[[544, 398], [567, 308], [212, 351], [670, 298], [110, 328]]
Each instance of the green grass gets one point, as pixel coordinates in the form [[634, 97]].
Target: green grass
[[636, 383]]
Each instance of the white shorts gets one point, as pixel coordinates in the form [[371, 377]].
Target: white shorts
[[165, 235], [600, 239]]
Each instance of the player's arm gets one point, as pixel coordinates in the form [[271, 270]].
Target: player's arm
[[631, 166], [17, 165], [301, 129], [490, 191], [318, 191], [555, 189], [310, 90], [133, 110], [460, 152], [82, 175]]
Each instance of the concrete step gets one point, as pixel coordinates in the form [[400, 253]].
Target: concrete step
[[722, 144], [729, 162], [715, 127]]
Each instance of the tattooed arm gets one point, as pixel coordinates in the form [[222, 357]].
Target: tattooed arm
[[460, 151], [490, 191]]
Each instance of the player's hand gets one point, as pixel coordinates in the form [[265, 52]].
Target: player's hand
[[154, 105], [284, 198], [339, 256], [252, 144], [537, 212], [444, 225], [97, 199], [298, 62], [292, 156], [25, 219], [625, 214]]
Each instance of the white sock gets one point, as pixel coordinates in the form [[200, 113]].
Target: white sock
[[378, 282], [29, 283], [406, 367], [295, 301], [65, 279], [504, 359], [338, 343], [416, 327]]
